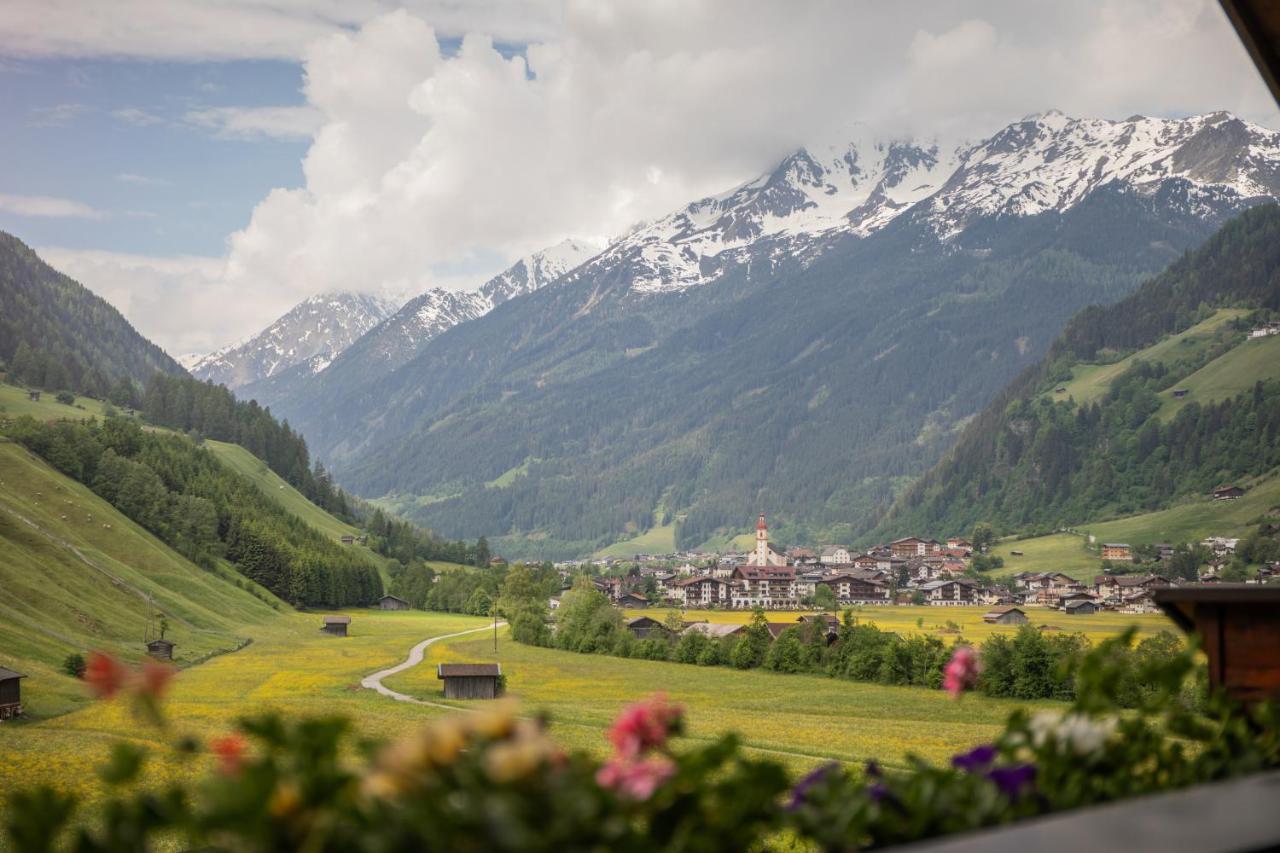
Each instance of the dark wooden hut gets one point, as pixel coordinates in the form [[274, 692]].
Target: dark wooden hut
[[161, 649], [392, 602], [33, 395], [336, 625], [644, 627], [10, 693], [470, 680]]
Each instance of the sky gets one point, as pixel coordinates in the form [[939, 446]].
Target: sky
[[206, 164]]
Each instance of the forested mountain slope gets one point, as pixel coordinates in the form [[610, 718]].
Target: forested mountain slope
[[1159, 398], [56, 334], [78, 575], [801, 344], [806, 395]]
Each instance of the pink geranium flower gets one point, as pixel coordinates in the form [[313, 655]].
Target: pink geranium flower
[[645, 725], [635, 779], [961, 672], [105, 675]]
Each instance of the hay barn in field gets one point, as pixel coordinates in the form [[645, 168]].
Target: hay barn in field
[[470, 680]]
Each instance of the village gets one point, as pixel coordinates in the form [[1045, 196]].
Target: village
[[908, 571]]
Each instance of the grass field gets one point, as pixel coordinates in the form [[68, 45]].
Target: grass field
[[656, 540], [1227, 376], [1061, 552], [800, 720], [1090, 382], [14, 402], [1193, 521], [76, 575], [933, 620], [291, 667]]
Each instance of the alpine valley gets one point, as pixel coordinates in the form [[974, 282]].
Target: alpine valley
[[803, 344]]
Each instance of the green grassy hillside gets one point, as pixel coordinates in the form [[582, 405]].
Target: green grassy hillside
[[1090, 382], [14, 402], [1230, 374], [1191, 521], [77, 576]]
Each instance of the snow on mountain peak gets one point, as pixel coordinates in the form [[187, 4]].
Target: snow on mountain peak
[[313, 331]]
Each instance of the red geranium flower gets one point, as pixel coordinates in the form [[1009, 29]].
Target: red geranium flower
[[230, 752], [105, 675], [156, 678]]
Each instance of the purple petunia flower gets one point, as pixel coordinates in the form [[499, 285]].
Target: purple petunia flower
[[975, 760], [1012, 780], [807, 782]]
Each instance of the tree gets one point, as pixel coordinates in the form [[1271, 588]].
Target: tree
[[754, 645], [66, 398], [482, 552], [824, 599], [983, 536]]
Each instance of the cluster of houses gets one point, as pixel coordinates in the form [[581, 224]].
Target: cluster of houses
[[904, 570], [911, 570], [1265, 331]]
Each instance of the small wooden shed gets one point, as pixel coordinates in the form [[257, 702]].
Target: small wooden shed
[[644, 627], [633, 601], [10, 693], [392, 602], [1006, 616], [336, 625], [33, 395], [1081, 607], [347, 539], [161, 649], [470, 680]]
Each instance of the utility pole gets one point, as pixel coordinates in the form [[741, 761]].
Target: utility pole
[[495, 629]]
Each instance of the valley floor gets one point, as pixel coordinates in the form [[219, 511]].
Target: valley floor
[[294, 668]]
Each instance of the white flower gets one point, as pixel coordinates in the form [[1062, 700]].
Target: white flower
[[1083, 735]]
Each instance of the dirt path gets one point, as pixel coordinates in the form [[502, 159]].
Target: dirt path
[[418, 652], [374, 682]]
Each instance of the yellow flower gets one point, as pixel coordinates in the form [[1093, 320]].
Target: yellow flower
[[285, 801], [496, 723], [511, 760], [381, 785]]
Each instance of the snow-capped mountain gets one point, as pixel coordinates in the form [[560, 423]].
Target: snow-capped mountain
[[422, 318], [812, 195], [1052, 162], [1045, 162], [312, 333]]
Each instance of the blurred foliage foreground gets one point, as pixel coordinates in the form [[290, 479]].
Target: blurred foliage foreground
[[493, 780]]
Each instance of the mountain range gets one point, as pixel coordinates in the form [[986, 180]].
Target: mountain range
[[805, 343]]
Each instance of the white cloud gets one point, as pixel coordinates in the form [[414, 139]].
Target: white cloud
[[136, 117], [258, 122], [140, 180], [236, 29], [423, 161], [182, 303], [636, 108], [48, 207], [58, 115]]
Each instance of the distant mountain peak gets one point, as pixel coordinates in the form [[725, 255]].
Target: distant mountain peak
[[312, 332]]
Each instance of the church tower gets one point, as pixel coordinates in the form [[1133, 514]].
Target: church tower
[[762, 542]]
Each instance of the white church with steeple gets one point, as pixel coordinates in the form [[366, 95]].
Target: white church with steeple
[[764, 555]]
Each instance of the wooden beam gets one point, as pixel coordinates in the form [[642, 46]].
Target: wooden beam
[[1257, 23]]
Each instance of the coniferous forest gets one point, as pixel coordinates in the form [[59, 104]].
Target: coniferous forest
[[56, 335], [1031, 461]]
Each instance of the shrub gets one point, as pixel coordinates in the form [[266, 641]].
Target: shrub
[[73, 665], [66, 398]]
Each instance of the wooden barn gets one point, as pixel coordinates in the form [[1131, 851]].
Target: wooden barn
[[1006, 616], [161, 649], [1081, 608], [644, 627], [633, 601], [10, 693], [33, 395], [470, 680], [392, 602], [347, 539], [336, 625]]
